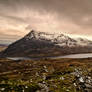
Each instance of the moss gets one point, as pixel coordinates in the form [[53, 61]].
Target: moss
[[32, 88]]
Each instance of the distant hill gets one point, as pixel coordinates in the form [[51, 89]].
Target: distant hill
[[3, 44], [3, 47]]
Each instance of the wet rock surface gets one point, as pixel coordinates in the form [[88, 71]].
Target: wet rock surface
[[83, 82]]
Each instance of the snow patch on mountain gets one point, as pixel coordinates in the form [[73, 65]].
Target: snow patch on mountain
[[58, 39]]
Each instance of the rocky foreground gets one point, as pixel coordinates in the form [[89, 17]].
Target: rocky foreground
[[61, 75]]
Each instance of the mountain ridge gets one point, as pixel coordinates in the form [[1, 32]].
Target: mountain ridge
[[39, 44], [60, 38]]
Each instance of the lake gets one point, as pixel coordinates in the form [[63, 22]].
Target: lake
[[87, 55]]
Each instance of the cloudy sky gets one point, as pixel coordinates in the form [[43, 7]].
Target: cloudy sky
[[18, 17]]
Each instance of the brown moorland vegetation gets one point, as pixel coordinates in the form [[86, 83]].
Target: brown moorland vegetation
[[47, 75]]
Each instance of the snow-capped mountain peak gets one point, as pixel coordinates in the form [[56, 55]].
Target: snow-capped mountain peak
[[46, 36], [40, 35], [58, 39], [47, 44]]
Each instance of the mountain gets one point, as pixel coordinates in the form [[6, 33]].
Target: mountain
[[39, 44]]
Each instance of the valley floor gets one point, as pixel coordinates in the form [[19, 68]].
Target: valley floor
[[49, 75]]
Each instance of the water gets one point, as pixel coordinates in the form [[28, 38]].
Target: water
[[18, 58], [87, 55]]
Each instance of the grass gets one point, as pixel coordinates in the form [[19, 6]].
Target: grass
[[56, 74]]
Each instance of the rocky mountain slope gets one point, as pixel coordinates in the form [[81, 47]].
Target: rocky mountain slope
[[39, 44]]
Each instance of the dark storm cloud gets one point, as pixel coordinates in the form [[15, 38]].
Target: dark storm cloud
[[70, 16], [79, 11]]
